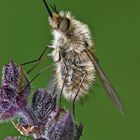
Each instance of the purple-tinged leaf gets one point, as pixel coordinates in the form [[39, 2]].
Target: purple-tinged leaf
[[43, 104], [44, 121], [33, 119], [10, 75], [14, 90], [62, 127]]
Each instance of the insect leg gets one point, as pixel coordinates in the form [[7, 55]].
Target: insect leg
[[36, 60], [44, 69], [39, 60], [62, 88], [35, 65], [79, 130], [73, 103], [61, 57]]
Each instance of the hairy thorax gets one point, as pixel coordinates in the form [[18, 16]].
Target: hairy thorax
[[73, 66]]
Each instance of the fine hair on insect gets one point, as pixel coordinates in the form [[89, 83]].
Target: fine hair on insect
[[75, 62], [74, 53]]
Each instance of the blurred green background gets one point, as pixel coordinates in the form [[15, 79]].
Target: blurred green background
[[115, 24]]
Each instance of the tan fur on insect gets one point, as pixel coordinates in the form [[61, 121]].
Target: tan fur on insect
[[72, 44]]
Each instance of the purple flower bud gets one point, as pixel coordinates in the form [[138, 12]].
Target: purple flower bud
[[33, 119], [14, 90], [62, 127], [44, 121], [10, 75], [42, 105]]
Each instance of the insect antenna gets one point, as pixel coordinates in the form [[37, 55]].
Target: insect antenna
[[54, 8]]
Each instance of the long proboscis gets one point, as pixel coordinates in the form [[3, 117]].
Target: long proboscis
[[48, 9]]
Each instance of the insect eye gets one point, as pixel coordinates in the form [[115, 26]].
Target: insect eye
[[64, 25]]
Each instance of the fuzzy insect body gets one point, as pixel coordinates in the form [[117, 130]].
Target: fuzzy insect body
[[74, 62], [76, 65]]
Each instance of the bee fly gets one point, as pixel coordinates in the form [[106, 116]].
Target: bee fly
[[76, 65], [75, 62]]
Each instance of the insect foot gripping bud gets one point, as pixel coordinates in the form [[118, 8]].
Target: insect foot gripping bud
[[13, 92], [44, 121]]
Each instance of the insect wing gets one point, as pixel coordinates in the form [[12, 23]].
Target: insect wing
[[110, 91]]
